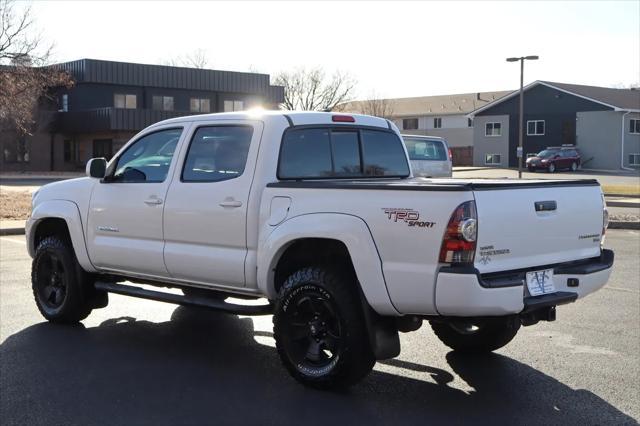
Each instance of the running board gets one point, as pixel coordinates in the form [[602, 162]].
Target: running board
[[199, 301]]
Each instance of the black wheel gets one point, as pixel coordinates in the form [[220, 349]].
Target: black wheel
[[58, 282], [574, 167], [552, 168], [477, 336], [531, 169], [320, 331]]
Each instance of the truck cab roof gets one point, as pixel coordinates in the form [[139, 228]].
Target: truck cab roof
[[294, 118]]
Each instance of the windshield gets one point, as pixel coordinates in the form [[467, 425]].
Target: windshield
[[425, 149], [548, 153]]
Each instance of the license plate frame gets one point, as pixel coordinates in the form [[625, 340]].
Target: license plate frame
[[540, 282]]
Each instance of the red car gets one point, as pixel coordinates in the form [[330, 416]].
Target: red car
[[555, 158]]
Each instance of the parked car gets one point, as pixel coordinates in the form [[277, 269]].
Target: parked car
[[319, 214], [430, 156], [555, 158]]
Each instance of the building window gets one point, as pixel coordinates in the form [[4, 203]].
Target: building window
[[71, 151], [103, 148], [535, 127], [469, 122], [65, 103], [437, 123], [200, 105], [162, 103], [634, 126], [634, 159], [230, 106], [410, 123], [492, 159], [127, 101], [17, 152], [493, 129]]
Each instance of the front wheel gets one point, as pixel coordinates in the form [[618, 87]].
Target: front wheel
[[58, 282], [574, 167], [477, 336], [320, 330], [552, 168]]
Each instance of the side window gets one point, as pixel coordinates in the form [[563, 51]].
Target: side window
[[147, 159], [217, 153]]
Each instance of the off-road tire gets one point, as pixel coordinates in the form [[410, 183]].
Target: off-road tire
[[338, 289], [75, 304], [491, 334]]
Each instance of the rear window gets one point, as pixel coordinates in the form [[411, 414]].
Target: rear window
[[316, 153], [424, 149]]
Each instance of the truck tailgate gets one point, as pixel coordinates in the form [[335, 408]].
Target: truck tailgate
[[536, 223]]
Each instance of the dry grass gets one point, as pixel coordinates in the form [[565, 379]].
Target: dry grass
[[622, 189], [15, 205]]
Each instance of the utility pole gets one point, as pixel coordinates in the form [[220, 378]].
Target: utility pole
[[520, 151]]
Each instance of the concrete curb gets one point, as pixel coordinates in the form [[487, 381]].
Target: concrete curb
[[11, 231], [619, 224], [623, 204]]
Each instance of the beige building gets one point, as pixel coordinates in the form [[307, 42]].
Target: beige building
[[444, 116]]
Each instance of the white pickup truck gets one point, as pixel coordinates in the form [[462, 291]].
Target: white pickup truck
[[319, 214]]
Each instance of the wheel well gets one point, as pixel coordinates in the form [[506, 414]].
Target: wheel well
[[49, 227], [311, 252]]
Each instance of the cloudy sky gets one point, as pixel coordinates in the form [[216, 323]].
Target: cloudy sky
[[391, 48]]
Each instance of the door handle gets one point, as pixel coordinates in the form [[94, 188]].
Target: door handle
[[153, 201], [230, 202]]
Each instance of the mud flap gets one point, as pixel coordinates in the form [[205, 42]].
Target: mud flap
[[383, 333]]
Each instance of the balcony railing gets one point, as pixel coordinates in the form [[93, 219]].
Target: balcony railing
[[111, 119]]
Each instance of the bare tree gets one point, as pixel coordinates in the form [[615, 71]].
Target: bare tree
[[25, 78], [375, 105], [196, 59], [312, 90]]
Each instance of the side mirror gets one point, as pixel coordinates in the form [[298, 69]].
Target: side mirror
[[96, 168]]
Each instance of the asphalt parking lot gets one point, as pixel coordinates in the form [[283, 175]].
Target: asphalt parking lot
[[141, 362]]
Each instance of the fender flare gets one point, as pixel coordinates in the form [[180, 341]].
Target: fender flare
[[351, 230], [69, 212]]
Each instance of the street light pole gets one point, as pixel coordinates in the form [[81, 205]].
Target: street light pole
[[520, 151]]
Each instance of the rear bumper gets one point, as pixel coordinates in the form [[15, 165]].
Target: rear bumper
[[465, 292]]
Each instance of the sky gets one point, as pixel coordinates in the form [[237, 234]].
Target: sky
[[392, 49]]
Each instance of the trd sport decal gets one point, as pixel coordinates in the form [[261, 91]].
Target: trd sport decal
[[408, 216]]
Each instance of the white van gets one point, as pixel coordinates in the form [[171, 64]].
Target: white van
[[430, 156]]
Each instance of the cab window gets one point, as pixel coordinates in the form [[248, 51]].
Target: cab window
[[147, 159], [217, 153], [317, 153]]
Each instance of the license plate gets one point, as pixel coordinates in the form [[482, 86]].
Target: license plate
[[540, 282]]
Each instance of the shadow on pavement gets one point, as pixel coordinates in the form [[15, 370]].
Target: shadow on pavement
[[206, 368]]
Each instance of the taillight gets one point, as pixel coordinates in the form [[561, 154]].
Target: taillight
[[459, 242], [450, 155]]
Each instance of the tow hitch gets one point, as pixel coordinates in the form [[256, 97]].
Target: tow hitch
[[543, 308]]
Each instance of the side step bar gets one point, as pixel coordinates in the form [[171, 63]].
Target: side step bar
[[203, 302]]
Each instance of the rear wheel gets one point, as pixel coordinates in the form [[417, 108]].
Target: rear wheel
[[531, 169], [319, 329], [477, 336], [58, 282], [552, 168]]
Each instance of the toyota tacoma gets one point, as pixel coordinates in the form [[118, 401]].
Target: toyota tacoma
[[318, 215]]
